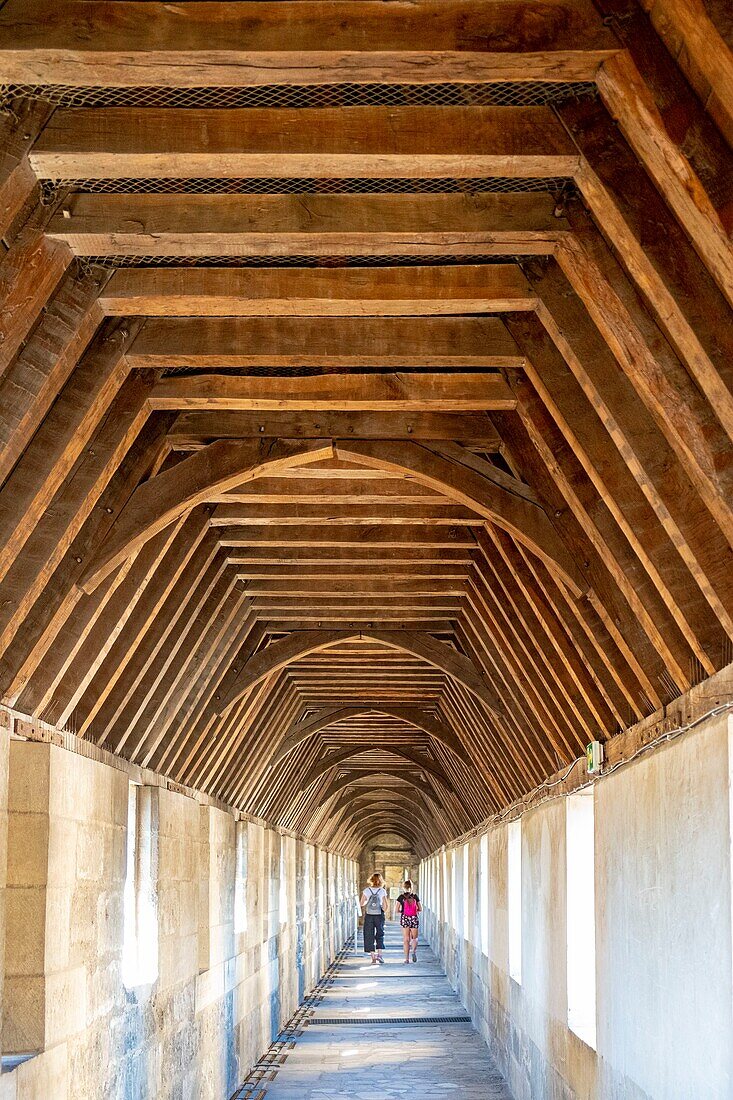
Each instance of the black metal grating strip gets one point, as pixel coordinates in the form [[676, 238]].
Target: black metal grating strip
[[89, 262], [391, 1020], [488, 185], [506, 93]]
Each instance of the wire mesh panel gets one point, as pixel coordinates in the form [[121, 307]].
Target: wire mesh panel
[[501, 94], [485, 185]]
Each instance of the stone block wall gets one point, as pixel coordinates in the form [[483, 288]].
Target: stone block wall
[[220, 995], [663, 944]]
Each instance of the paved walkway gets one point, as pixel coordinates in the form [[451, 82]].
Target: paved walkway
[[377, 1061]]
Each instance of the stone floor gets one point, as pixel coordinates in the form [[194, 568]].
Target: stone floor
[[372, 1061]]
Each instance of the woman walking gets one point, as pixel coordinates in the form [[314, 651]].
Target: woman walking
[[374, 904], [410, 909]]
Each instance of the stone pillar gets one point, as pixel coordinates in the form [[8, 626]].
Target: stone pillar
[[28, 824]]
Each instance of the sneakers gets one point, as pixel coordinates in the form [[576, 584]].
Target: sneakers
[[414, 956], [380, 960]]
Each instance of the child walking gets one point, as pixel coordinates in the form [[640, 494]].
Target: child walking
[[410, 909]]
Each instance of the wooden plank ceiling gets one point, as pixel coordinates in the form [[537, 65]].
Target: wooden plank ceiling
[[365, 390]]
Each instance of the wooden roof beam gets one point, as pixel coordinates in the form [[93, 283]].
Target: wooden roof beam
[[193, 430], [341, 757], [363, 142], [443, 513], [488, 493], [312, 225], [96, 43], [399, 391], [389, 544], [386, 342], [316, 292]]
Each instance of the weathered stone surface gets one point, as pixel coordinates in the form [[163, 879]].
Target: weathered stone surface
[[194, 1032]]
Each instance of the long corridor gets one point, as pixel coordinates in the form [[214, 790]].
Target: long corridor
[[389, 1031]]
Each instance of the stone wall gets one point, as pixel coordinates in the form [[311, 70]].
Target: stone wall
[[225, 982], [664, 996]]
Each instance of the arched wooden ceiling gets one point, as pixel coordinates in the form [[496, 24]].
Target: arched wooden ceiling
[[365, 390]]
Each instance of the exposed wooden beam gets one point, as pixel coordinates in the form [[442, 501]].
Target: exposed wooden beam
[[320, 490], [393, 392], [360, 571], [363, 142], [632, 104], [192, 430], [52, 604], [354, 588], [342, 756], [705, 57], [320, 341], [237, 44], [62, 437], [258, 515], [47, 542], [335, 539], [655, 250], [295, 557], [314, 292], [30, 272], [37, 375], [311, 225], [19, 127]]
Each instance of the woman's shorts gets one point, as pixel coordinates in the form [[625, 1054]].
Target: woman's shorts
[[410, 922]]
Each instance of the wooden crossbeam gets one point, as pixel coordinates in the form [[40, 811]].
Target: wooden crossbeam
[[99, 43], [444, 514], [320, 341], [407, 540], [315, 292], [319, 490], [363, 142], [193, 430], [354, 587], [343, 557], [311, 225]]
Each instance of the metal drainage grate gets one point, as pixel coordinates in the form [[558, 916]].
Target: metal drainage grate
[[391, 1020], [506, 93]]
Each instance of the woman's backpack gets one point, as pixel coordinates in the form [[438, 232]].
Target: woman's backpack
[[409, 906], [374, 903]]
